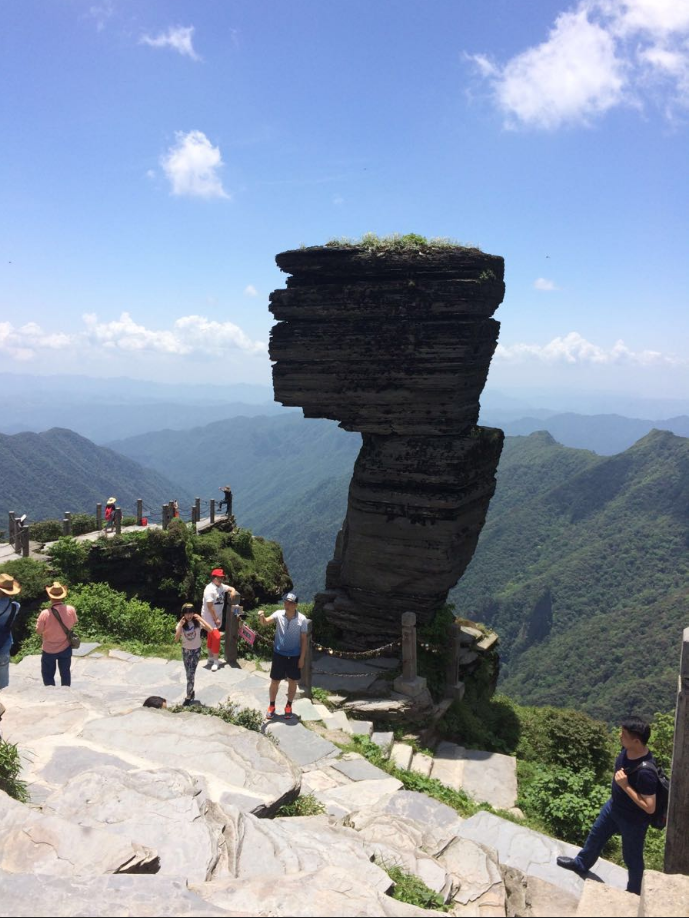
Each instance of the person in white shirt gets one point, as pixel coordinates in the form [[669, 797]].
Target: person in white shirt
[[213, 602]]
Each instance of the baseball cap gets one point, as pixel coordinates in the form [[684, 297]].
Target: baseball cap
[[290, 597], [217, 572]]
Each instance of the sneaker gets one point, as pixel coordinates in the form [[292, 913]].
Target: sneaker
[[288, 710], [270, 713], [569, 863], [214, 667]]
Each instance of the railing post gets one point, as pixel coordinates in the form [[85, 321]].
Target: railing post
[[66, 526], [197, 505], [410, 683], [99, 517], [165, 511], [139, 511], [118, 520], [307, 669], [212, 510], [232, 635], [194, 520], [676, 836], [171, 511], [454, 687], [11, 527], [25, 541]]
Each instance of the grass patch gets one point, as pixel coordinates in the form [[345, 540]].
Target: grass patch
[[410, 889], [398, 242], [320, 696], [229, 712], [302, 806], [10, 769]]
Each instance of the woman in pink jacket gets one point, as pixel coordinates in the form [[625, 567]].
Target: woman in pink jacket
[[57, 649]]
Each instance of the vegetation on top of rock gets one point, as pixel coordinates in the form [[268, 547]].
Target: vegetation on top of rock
[[302, 806], [410, 889], [228, 711], [10, 769], [398, 242]]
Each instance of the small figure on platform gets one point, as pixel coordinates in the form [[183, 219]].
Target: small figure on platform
[[227, 491], [213, 605], [110, 514], [289, 651], [188, 631], [9, 607]]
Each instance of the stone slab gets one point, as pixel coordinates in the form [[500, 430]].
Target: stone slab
[[534, 854], [359, 769], [598, 899], [488, 777], [85, 648], [300, 745], [322, 711], [384, 740], [340, 801], [421, 764], [420, 809], [305, 710], [123, 655], [401, 755], [337, 721], [361, 727], [664, 895]]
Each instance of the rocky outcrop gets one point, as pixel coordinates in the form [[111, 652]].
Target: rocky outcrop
[[397, 345]]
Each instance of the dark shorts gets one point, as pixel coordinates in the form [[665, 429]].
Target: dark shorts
[[285, 667]]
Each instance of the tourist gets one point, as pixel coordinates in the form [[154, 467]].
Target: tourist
[[213, 604], [110, 514], [54, 625], [188, 631], [628, 811], [227, 500], [8, 613], [289, 650], [155, 701]]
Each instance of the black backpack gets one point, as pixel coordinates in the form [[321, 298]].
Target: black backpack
[[659, 815]]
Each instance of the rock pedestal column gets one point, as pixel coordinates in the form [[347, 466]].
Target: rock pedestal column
[[395, 344]]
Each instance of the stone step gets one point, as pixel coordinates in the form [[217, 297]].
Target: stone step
[[488, 777], [598, 899], [401, 755], [384, 740], [421, 764]]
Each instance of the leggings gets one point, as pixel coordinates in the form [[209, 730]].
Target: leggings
[[191, 661]]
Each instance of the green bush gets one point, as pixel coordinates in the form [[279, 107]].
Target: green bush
[[409, 888], [45, 531], [69, 559], [302, 806], [662, 738], [570, 739], [10, 769], [33, 577], [492, 725], [231, 713], [567, 801], [104, 612]]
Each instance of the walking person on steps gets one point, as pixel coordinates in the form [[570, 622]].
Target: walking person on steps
[[51, 624]]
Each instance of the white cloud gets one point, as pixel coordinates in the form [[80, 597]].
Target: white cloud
[[192, 165], [101, 12], [189, 335], [250, 290], [574, 348], [178, 38], [598, 55], [338, 200], [542, 283]]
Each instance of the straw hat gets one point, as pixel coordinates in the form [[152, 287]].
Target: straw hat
[[8, 585], [56, 591], [111, 500]]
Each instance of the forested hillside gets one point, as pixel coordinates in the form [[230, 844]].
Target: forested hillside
[[583, 569], [45, 474]]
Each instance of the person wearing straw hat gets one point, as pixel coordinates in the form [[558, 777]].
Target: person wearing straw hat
[[110, 514], [51, 625], [9, 588]]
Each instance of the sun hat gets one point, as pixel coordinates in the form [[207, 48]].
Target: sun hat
[[8, 585], [290, 597], [56, 590], [111, 500], [217, 572]]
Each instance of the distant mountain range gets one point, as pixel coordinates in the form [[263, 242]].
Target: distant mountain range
[[45, 474], [583, 570]]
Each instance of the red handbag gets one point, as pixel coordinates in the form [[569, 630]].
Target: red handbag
[[214, 642]]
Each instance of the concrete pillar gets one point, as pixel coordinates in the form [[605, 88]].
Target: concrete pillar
[[677, 836], [454, 687], [139, 511], [118, 520], [67, 524], [165, 515], [307, 668], [212, 510], [99, 517], [232, 634], [11, 527], [24, 538], [409, 683], [197, 505]]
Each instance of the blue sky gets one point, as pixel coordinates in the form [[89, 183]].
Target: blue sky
[[158, 155]]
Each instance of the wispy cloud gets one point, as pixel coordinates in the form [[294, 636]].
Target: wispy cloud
[[191, 166], [542, 283], [598, 55], [188, 335], [250, 290], [179, 38], [101, 12], [574, 348]]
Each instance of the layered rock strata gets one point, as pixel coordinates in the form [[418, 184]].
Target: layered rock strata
[[397, 345]]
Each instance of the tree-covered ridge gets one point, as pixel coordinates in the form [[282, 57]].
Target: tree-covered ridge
[[45, 474], [583, 568]]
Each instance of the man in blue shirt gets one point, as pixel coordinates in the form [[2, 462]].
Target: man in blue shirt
[[9, 588], [630, 807], [289, 650]]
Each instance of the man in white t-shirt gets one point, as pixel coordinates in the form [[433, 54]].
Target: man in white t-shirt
[[289, 650], [212, 606]]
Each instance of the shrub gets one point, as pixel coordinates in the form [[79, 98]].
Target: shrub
[[10, 769], [566, 738], [409, 888], [567, 801], [46, 531], [493, 725], [662, 739], [69, 559], [33, 577], [302, 806], [103, 611], [231, 713]]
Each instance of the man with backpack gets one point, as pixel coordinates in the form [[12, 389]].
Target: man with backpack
[[638, 799]]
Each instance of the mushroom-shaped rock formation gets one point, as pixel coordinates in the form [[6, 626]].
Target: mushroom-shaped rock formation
[[395, 342]]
